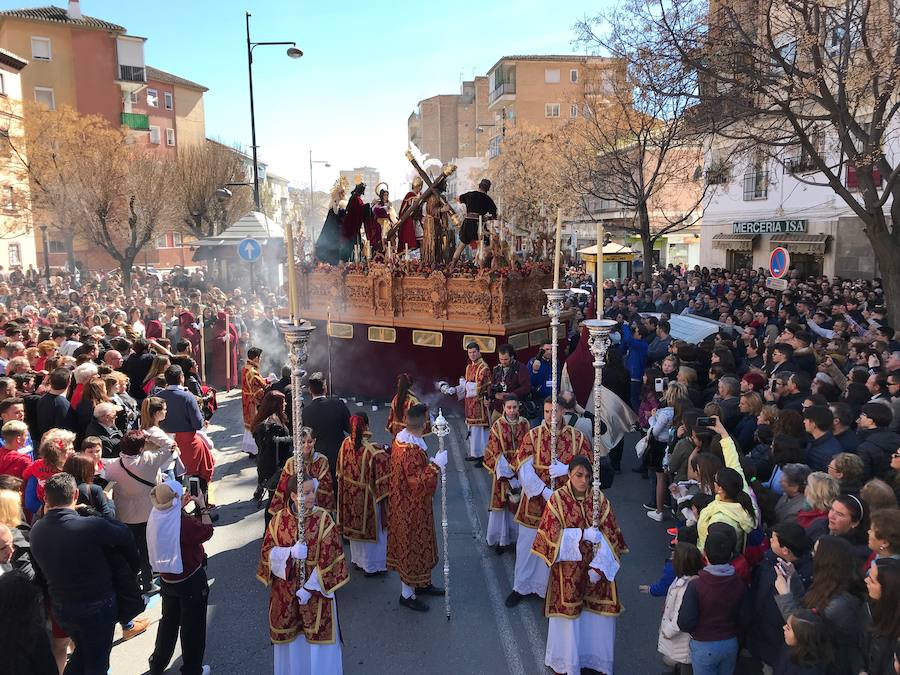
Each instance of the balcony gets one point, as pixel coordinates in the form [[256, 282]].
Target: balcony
[[135, 121], [503, 89], [132, 74], [717, 174]]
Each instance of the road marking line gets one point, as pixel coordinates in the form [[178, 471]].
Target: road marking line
[[507, 637]]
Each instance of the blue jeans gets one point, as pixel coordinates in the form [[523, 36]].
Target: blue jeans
[[91, 626], [714, 658]]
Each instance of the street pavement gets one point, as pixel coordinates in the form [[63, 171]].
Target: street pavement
[[379, 636]]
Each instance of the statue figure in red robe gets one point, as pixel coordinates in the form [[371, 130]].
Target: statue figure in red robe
[[535, 470], [411, 545], [224, 349], [303, 620], [506, 435], [582, 600], [409, 236], [358, 212]]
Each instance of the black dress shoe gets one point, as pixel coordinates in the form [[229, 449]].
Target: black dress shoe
[[430, 589], [499, 550], [514, 599], [479, 462], [414, 604], [472, 459], [375, 574]]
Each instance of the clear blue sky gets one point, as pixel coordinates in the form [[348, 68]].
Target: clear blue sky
[[365, 67]]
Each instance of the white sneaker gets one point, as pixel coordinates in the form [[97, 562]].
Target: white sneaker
[[655, 515], [205, 670]]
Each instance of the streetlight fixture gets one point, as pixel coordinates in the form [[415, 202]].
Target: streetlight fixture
[[293, 52]]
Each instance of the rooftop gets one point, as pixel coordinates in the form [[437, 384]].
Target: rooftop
[[12, 59], [169, 78], [578, 58], [52, 14]]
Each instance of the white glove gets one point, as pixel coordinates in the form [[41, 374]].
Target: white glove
[[299, 551], [546, 493], [446, 389], [503, 470], [592, 534], [440, 459], [514, 484], [558, 469], [594, 575], [303, 596]]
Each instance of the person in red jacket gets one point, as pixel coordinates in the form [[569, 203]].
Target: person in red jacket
[[12, 461]]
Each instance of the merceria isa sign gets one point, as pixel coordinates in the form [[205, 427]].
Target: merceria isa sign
[[768, 226]]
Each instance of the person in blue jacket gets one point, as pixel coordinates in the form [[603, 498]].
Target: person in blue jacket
[[636, 358]]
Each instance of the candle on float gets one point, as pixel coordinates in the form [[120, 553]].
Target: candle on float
[[292, 279], [599, 270], [558, 249]]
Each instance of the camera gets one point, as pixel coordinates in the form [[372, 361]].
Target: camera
[[706, 421], [661, 384], [194, 486]]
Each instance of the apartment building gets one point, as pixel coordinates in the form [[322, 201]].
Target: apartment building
[[762, 202], [448, 126], [543, 91], [95, 67], [16, 232], [368, 175]]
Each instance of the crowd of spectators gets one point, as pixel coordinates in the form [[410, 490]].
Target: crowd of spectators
[[104, 398], [773, 457]]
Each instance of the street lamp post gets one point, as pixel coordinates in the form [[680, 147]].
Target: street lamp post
[[312, 197], [45, 244], [292, 52]]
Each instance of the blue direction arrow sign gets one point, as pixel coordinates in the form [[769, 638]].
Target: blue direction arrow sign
[[249, 249]]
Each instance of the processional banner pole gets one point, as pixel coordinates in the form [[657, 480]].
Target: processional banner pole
[[441, 428], [599, 342]]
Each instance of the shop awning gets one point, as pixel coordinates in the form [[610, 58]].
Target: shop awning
[[734, 242], [801, 243]]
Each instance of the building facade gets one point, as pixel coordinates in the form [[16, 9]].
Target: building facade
[[17, 247], [448, 126], [760, 203], [365, 174]]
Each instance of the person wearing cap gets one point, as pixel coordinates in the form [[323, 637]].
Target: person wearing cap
[[175, 541]]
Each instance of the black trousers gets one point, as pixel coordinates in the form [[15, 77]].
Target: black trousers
[[184, 608], [145, 574]]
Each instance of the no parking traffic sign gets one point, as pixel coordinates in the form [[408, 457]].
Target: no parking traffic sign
[[779, 262]]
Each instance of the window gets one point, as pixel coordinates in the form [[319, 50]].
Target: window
[[167, 96], [169, 240], [56, 246], [134, 97], [573, 110], [9, 198], [153, 98], [44, 96], [573, 76], [551, 76], [2, 85], [551, 110], [756, 181], [15, 255], [154, 135], [170, 137], [40, 48]]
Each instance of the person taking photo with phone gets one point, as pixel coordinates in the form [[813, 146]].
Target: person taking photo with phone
[[175, 541]]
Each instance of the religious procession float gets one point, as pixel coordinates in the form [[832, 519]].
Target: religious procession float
[[389, 294]]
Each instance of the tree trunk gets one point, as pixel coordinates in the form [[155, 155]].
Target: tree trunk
[[646, 241], [887, 253], [126, 265]]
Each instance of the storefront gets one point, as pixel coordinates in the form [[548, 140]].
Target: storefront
[[617, 260], [748, 244]]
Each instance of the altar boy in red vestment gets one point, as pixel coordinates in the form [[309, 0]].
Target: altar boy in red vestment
[[411, 546], [474, 390], [582, 601], [253, 387], [315, 465], [506, 435], [303, 620], [363, 475], [534, 469]]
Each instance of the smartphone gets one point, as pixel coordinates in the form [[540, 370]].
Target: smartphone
[[661, 384], [706, 421], [194, 486], [772, 385]]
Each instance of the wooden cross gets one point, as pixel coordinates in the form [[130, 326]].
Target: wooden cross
[[433, 187]]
